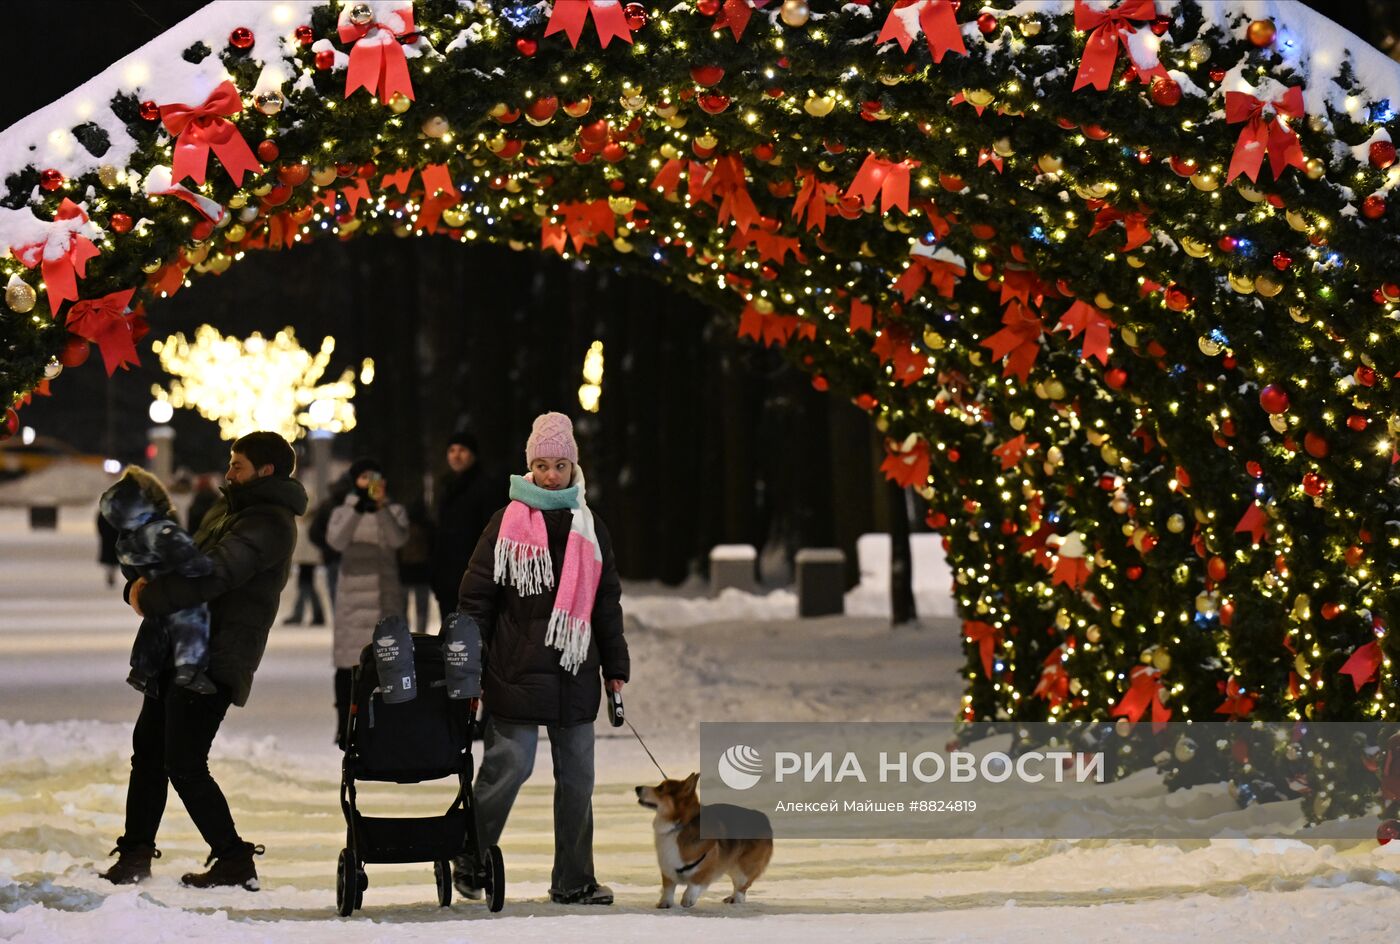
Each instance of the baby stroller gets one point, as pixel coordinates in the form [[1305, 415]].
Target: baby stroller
[[426, 738]]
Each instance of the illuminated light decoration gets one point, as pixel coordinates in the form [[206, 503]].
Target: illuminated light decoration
[[591, 391], [973, 308], [252, 383]]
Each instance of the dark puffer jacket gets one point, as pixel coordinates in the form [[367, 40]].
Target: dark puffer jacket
[[523, 681], [249, 535]]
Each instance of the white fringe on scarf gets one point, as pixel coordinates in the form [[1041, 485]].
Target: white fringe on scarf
[[569, 634], [526, 568]]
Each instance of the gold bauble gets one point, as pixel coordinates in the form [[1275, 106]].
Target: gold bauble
[[1093, 633], [1242, 283], [1130, 337], [707, 140], [621, 205], [238, 201], [633, 100], [1055, 390], [436, 126], [20, 296], [513, 185], [108, 176], [1199, 52], [1054, 455], [1248, 192], [979, 98], [269, 102], [933, 340], [1279, 422], [346, 229], [622, 245], [795, 13], [399, 103], [1176, 523], [1205, 181], [498, 110], [1300, 665], [1298, 314], [819, 106], [1030, 26], [1050, 164], [882, 424], [1195, 248], [454, 216], [1018, 422], [1135, 262], [323, 176], [496, 144], [677, 121], [1161, 660], [198, 254], [236, 233], [1120, 505], [669, 151], [361, 14], [1102, 300], [1261, 32], [1003, 148], [1267, 285], [152, 267], [891, 78], [1109, 454], [763, 306], [1314, 168], [1209, 346], [1297, 221], [261, 190]]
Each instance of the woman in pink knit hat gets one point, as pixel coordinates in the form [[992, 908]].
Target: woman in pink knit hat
[[543, 587]]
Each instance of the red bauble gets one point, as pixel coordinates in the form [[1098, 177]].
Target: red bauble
[[325, 59], [579, 108], [1177, 298], [345, 170], [1227, 612], [149, 110], [1095, 132], [1314, 484], [1366, 376], [765, 151], [304, 35], [50, 179], [819, 383], [1357, 422], [712, 103], [1354, 555], [526, 47], [1274, 399], [1165, 92], [636, 15], [594, 134], [954, 455], [707, 75], [614, 152], [1382, 154], [987, 23], [1160, 25], [120, 223], [201, 231], [241, 38], [9, 425], [1330, 610], [936, 520], [278, 195], [543, 108], [866, 402], [1116, 377], [1217, 74], [1229, 362], [1134, 572], [708, 7], [293, 175], [366, 170], [1183, 167], [1228, 244], [1144, 156], [950, 182], [75, 351], [1282, 260], [268, 150], [1387, 830], [1217, 569], [1316, 445], [1373, 207]]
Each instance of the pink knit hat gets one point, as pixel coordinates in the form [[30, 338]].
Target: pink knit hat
[[551, 437]]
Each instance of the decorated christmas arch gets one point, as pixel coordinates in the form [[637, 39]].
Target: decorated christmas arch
[[1118, 284]]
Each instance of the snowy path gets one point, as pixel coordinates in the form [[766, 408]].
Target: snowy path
[[65, 722]]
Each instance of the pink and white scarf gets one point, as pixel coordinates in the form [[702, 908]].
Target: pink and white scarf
[[523, 562]]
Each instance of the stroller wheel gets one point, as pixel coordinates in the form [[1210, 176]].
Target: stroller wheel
[[347, 884], [442, 871], [495, 870]]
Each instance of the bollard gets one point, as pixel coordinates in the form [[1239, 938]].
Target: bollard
[[732, 565], [821, 581]]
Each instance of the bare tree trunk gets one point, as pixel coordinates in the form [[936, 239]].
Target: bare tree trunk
[[902, 609]]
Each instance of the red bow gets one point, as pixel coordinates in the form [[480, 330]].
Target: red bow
[[62, 256], [1259, 136], [773, 328], [888, 180], [1238, 703], [1254, 522], [908, 465], [104, 322], [1054, 680], [203, 128], [1134, 223], [568, 16], [987, 637], [1107, 29], [736, 14], [725, 176], [895, 345], [934, 17], [811, 199], [939, 273], [1012, 451], [377, 61], [159, 184], [1145, 689], [1018, 341], [1083, 318], [1363, 663]]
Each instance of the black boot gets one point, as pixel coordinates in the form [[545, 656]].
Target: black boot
[[232, 869], [133, 864]]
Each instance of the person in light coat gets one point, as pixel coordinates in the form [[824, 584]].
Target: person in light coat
[[366, 529]]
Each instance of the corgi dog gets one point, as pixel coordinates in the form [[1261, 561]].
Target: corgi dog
[[687, 859]]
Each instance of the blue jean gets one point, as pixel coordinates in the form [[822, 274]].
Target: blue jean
[[508, 760]]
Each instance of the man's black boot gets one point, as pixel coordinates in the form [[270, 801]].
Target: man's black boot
[[232, 869], [133, 864]]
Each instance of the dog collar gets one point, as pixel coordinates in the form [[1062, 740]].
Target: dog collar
[[686, 868]]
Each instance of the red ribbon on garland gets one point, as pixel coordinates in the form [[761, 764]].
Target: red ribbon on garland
[[1238, 703], [62, 263], [1083, 318], [204, 128], [568, 16], [986, 637], [1144, 691], [888, 180], [811, 200], [1107, 30], [1054, 680], [103, 321], [908, 466], [1011, 452], [1260, 136], [925, 270], [936, 19], [1363, 663], [1134, 223], [736, 14], [1018, 341], [377, 61]]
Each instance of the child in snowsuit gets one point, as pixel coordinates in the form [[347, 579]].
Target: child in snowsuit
[[151, 544]]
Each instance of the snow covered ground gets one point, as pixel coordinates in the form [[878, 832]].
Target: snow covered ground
[[65, 717]]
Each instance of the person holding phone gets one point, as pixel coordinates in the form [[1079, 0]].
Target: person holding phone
[[367, 529]]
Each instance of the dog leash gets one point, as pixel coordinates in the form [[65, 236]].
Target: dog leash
[[645, 748]]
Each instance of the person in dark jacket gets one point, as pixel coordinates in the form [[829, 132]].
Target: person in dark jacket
[[206, 496], [467, 496], [249, 536], [320, 520], [543, 587], [107, 548]]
